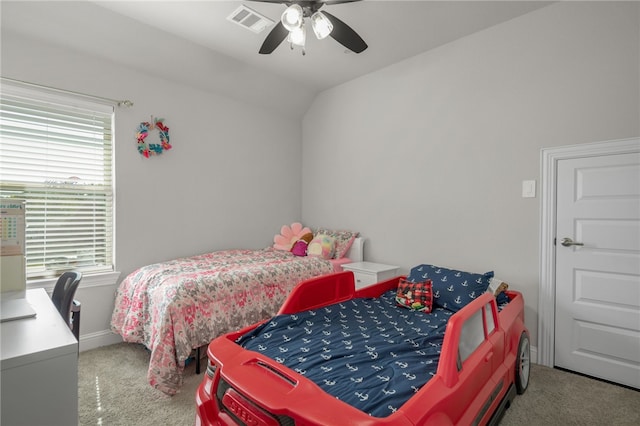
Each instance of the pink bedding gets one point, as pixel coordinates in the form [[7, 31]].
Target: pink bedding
[[176, 306]]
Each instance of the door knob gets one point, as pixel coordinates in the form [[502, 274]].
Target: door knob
[[567, 242]]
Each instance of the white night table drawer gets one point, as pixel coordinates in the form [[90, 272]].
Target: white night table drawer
[[367, 273]]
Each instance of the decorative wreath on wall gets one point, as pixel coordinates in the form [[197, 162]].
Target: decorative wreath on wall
[[148, 149]]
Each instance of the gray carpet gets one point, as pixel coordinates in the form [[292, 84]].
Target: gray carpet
[[113, 390]]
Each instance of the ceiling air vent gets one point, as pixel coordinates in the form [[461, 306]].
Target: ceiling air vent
[[250, 19]]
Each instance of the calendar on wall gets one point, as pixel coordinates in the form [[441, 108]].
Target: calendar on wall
[[12, 227], [12, 247]]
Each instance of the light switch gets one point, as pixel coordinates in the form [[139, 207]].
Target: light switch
[[528, 189]]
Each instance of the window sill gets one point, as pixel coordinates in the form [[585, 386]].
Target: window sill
[[93, 280]]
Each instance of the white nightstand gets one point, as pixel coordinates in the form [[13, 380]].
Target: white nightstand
[[367, 273]]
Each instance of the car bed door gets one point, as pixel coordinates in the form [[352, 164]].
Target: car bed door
[[476, 364]]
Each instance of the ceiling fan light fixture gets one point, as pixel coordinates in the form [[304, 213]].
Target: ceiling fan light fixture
[[292, 26], [298, 36], [292, 17], [321, 25]]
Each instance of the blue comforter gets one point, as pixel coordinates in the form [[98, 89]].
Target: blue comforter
[[369, 353]]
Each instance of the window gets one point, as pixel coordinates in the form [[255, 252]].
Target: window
[[489, 320], [471, 335], [475, 331], [56, 154]]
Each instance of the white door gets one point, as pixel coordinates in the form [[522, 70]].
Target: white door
[[597, 312]]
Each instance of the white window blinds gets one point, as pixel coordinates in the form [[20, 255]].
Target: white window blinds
[[56, 154]]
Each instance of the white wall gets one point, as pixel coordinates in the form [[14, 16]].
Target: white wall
[[231, 179], [426, 158]]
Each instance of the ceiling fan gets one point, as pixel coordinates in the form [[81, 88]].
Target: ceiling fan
[[291, 26]]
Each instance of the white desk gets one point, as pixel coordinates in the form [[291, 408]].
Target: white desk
[[39, 368]]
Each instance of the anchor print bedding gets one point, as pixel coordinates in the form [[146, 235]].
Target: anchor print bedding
[[351, 342]]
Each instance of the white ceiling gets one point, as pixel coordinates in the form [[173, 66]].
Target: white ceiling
[[148, 34]]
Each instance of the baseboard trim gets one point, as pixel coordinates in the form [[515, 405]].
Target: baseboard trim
[[98, 339]]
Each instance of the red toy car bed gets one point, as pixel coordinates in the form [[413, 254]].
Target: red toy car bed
[[337, 356]]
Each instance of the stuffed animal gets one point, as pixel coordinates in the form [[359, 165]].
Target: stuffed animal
[[300, 247], [307, 237], [502, 287], [501, 296]]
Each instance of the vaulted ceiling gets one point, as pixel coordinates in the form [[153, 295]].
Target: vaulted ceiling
[[151, 35]]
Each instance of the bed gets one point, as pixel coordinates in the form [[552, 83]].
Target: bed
[[366, 357], [178, 306]]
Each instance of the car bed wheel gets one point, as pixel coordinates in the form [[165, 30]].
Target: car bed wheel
[[523, 364]]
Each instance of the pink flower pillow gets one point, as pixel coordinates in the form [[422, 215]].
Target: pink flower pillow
[[289, 235]]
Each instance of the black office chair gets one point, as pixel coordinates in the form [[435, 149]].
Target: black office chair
[[62, 297]]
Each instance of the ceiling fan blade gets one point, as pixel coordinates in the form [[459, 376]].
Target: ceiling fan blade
[[273, 40], [345, 35], [330, 2]]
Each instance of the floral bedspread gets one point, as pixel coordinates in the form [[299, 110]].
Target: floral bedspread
[[179, 305]]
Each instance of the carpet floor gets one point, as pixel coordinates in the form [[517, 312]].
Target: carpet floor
[[113, 390]]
